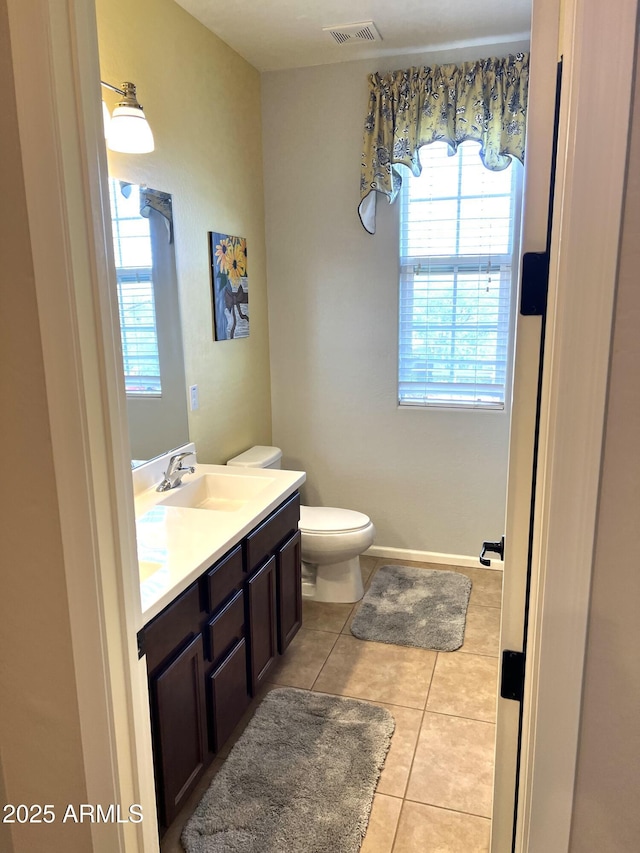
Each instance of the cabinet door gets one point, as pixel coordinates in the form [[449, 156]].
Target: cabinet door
[[179, 729], [289, 586], [261, 604], [229, 695]]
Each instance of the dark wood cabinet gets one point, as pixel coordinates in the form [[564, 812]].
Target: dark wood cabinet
[[261, 610], [210, 650], [179, 727], [289, 590]]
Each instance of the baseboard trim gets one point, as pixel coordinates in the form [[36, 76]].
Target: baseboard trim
[[430, 557]]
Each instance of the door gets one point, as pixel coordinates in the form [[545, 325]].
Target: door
[[522, 444]]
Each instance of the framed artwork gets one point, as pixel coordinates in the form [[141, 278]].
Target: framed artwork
[[229, 286]]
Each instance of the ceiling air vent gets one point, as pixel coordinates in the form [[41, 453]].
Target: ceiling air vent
[[363, 32]]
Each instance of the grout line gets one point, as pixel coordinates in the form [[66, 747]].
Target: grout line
[[475, 654], [435, 664], [395, 833], [460, 716], [406, 784], [447, 809], [324, 662]]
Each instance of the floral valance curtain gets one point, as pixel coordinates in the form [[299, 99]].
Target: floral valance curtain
[[484, 100]]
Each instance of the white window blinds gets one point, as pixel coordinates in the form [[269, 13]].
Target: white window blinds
[[134, 272], [456, 247]]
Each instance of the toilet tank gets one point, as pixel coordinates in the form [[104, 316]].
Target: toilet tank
[[258, 456]]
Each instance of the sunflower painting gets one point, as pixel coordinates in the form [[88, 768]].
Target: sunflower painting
[[229, 286]]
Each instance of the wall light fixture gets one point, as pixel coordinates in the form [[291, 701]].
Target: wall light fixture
[[127, 130]]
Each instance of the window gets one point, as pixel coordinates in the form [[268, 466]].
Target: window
[[456, 249], [134, 273]]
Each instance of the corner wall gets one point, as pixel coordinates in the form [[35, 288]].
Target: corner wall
[[202, 101], [431, 479], [605, 815]]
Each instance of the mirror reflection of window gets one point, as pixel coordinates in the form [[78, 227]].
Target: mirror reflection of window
[[134, 272]]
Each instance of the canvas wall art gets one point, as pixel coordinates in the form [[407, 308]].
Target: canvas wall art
[[229, 286]]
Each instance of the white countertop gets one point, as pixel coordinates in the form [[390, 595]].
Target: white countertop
[[177, 544]]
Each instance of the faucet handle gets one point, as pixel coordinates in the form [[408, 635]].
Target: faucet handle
[[178, 457], [176, 460]]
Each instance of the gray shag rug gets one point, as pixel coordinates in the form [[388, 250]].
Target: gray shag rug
[[300, 779], [407, 606]]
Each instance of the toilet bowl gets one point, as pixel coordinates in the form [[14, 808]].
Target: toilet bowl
[[332, 540]]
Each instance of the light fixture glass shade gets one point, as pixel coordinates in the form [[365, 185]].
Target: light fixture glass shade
[[129, 131], [106, 119]]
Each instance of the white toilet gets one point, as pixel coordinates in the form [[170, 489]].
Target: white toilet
[[332, 539]]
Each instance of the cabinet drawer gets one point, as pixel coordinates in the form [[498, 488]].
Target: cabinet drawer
[[262, 541], [228, 695], [172, 627], [226, 628], [225, 577]]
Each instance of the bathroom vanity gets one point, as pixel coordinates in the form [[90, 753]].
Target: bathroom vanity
[[210, 648]]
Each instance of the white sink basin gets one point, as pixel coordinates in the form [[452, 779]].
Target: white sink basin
[[219, 492]]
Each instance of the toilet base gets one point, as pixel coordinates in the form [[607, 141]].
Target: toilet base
[[336, 583]]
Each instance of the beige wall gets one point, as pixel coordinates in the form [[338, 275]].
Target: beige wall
[[203, 103], [606, 815], [39, 723], [430, 479]]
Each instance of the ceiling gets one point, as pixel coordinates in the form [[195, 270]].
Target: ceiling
[[275, 34]]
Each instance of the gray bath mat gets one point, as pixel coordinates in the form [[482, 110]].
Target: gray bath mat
[[299, 780], [414, 607]]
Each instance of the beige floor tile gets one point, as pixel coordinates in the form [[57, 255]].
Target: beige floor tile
[[464, 686], [453, 764], [303, 660], [487, 586], [324, 617], [367, 565], [347, 625], [432, 830], [482, 631], [397, 765], [383, 821], [376, 671]]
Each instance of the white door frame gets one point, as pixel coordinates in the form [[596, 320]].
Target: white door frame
[[56, 69], [598, 44]]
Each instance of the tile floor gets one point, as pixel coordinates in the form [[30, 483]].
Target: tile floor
[[434, 794]]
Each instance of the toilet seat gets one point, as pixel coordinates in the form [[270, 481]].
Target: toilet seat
[[329, 519]]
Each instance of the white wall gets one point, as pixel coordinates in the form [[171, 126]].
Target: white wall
[[430, 480], [606, 815]]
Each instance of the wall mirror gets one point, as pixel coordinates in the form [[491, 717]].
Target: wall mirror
[[149, 312]]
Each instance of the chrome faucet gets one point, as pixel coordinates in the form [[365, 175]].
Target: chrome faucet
[[175, 472]]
